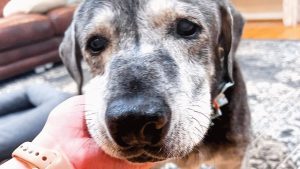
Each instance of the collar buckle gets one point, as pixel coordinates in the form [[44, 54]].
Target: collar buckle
[[220, 101]]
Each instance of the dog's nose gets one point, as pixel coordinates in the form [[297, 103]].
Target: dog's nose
[[138, 121]]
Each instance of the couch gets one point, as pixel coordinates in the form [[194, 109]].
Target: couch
[[31, 40], [23, 114]]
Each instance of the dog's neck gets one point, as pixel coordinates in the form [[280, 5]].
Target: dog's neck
[[226, 129], [220, 100]]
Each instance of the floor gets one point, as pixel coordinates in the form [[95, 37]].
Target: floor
[[270, 30]]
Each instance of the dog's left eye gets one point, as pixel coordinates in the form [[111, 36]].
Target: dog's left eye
[[186, 28], [97, 44]]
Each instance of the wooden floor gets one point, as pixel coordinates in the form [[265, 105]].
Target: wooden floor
[[270, 30]]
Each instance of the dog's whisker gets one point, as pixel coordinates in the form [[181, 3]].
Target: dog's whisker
[[90, 113], [198, 129], [198, 112], [193, 118], [193, 105], [89, 119], [160, 150]]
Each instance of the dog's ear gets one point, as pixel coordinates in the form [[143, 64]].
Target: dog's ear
[[71, 56], [238, 27], [230, 34]]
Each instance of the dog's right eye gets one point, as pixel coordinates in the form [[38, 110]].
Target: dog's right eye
[[186, 28], [97, 44]]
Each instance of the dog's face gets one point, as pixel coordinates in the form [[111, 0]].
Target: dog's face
[[155, 65]]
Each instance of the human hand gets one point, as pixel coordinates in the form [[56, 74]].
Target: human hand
[[66, 131]]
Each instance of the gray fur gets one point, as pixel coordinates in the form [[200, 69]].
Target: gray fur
[[143, 50]]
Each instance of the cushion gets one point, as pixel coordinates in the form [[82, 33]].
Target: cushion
[[20, 30], [24, 113], [61, 18], [31, 6], [29, 64], [2, 4], [28, 51]]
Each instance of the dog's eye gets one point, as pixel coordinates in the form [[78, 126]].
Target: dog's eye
[[186, 28], [97, 44]]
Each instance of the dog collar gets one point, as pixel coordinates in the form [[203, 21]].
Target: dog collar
[[220, 101], [37, 157]]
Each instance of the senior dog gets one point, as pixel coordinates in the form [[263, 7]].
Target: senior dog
[[166, 84]]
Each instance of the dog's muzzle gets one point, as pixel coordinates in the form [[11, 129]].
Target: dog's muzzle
[[138, 121]]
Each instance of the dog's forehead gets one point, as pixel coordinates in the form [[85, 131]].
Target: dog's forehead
[[133, 6], [135, 21], [127, 12]]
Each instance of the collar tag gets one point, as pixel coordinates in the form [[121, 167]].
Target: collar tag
[[220, 101]]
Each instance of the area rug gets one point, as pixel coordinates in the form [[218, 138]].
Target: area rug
[[272, 73]]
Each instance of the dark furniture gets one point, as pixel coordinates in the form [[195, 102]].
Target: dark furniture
[[31, 40]]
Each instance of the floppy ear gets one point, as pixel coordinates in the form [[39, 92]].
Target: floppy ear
[[231, 30], [71, 56], [238, 27]]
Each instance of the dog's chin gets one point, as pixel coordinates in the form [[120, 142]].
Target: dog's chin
[[143, 154]]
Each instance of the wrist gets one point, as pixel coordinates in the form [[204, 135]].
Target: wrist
[[14, 164], [35, 156]]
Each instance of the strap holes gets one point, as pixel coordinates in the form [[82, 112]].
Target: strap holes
[[37, 154], [25, 149], [44, 158], [21, 146], [30, 152]]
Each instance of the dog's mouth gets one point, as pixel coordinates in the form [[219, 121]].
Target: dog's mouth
[[144, 154], [143, 158]]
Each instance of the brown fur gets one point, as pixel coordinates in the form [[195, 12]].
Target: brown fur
[[206, 62]]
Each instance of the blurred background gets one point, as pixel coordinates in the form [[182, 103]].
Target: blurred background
[[33, 80]]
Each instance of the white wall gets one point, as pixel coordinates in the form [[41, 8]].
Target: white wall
[[260, 9], [299, 11], [290, 12]]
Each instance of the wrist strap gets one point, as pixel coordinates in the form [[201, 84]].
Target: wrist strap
[[41, 158]]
